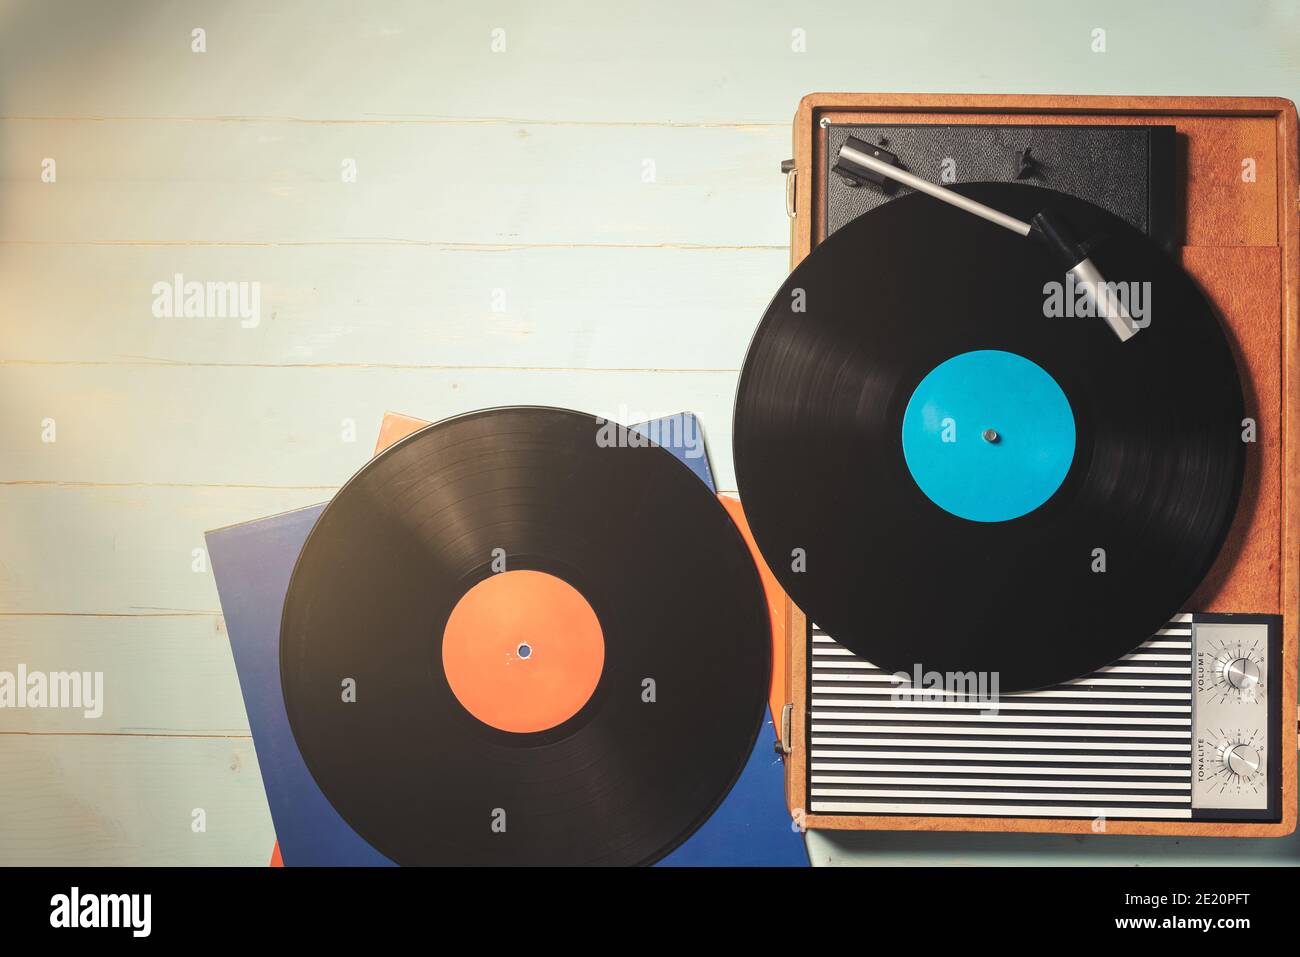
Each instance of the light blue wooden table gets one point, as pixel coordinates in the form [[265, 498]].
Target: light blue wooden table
[[568, 203]]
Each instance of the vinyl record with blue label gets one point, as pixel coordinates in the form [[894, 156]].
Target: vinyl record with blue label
[[950, 464], [525, 636]]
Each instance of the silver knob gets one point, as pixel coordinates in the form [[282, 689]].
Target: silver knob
[[1241, 673], [1242, 760]]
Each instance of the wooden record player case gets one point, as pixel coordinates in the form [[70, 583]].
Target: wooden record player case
[[1241, 242]]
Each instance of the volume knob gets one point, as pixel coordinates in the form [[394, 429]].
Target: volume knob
[[1241, 759], [1242, 673]]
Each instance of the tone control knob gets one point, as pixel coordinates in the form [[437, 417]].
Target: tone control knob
[[1241, 673], [1241, 759]]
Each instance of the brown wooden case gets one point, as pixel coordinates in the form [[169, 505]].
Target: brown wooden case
[[1242, 245]]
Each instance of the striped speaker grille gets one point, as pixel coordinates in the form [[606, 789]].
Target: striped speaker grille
[[1117, 743]]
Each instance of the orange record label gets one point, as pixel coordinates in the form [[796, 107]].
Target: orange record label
[[523, 651]]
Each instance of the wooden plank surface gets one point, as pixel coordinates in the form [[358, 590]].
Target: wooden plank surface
[[162, 674], [406, 305], [119, 551], [479, 173], [267, 182], [727, 62], [245, 425], [114, 799]]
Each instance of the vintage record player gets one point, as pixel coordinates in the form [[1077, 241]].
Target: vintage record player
[[1192, 728]]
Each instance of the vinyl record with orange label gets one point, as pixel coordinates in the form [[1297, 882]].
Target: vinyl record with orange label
[[525, 636]]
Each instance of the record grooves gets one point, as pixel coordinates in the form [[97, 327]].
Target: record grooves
[[906, 572], [630, 549]]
